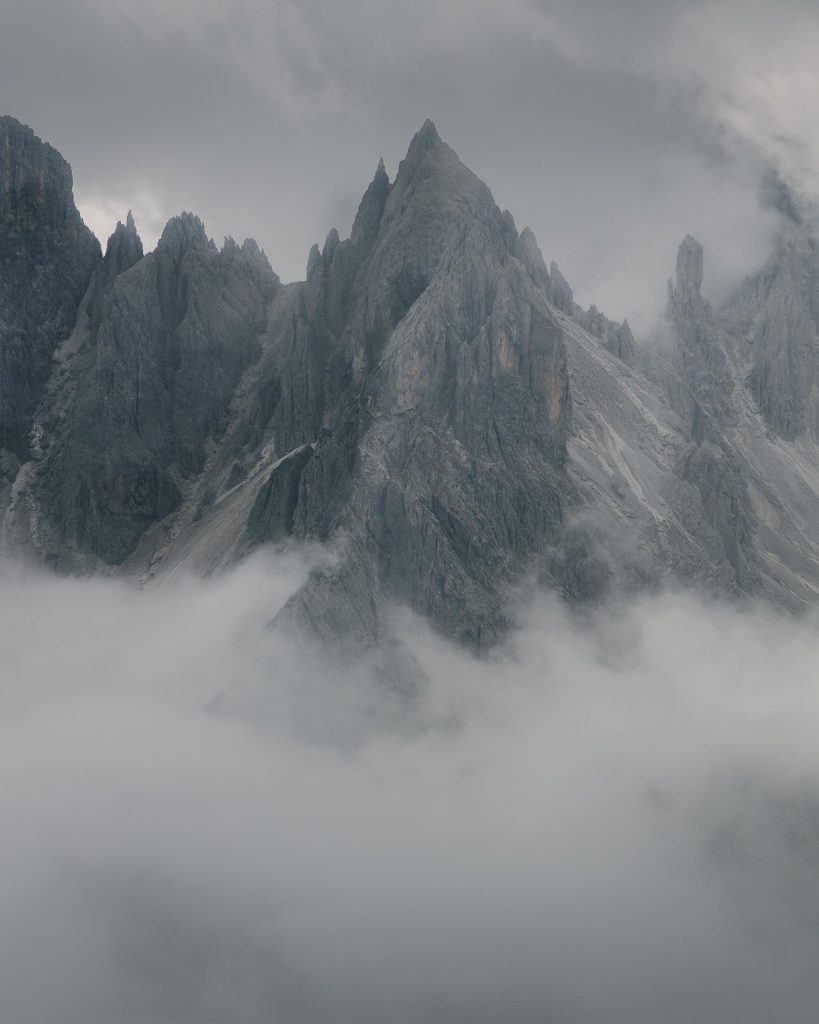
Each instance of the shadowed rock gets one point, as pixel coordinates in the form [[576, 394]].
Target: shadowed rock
[[47, 256], [701, 385]]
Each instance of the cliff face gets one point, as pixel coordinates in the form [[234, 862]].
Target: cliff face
[[430, 402], [409, 401], [47, 256], [448, 439], [169, 336], [777, 309]]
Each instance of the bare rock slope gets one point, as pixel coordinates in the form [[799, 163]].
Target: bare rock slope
[[430, 403]]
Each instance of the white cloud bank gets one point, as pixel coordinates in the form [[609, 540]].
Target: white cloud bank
[[610, 822]]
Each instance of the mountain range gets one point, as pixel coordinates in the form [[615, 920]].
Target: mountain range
[[430, 404]]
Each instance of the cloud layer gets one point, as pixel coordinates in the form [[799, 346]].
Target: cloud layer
[[613, 820]]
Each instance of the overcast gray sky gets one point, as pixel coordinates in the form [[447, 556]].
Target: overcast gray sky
[[611, 129]]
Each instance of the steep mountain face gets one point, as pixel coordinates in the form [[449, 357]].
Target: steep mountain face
[[682, 471], [430, 402], [777, 310], [47, 256], [144, 385], [449, 443], [701, 387], [412, 402]]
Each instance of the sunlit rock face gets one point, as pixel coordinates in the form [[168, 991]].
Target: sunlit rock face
[[430, 403]]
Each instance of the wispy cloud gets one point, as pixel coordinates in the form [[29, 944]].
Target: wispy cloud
[[607, 821]]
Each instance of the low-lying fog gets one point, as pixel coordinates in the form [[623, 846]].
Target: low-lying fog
[[616, 822]]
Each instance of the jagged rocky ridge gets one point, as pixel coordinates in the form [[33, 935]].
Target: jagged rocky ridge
[[430, 402], [47, 256]]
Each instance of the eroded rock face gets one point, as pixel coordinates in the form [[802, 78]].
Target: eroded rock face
[[701, 385], [124, 249], [689, 273], [704, 387], [430, 402], [170, 336], [47, 256], [408, 401], [721, 480], [617, 338], [777, 310], [560, 293], [440, 401]]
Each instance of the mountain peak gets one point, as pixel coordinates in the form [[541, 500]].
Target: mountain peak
[[368, 217], [123, 251], [413, 398], [20, 136], [48, 256], [183, 233], [532, 258], [689, 266], [124, 248], [126, 230], [432, 177], [425, 141], [560, 290]]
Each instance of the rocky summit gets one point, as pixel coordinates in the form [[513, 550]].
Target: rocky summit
[[430, 404]]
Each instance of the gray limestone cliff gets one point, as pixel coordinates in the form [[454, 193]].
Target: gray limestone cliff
[[170, 336], [777, 310], [47, 256], [617, 338], [433, 393], [701, 385], [430, 405]]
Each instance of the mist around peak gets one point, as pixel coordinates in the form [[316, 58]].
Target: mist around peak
[[612, 819]]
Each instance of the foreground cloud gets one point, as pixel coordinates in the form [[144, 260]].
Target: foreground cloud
[[609, 821]]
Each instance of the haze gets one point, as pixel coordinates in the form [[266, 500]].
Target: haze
[[613, 821], [612, 130]]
